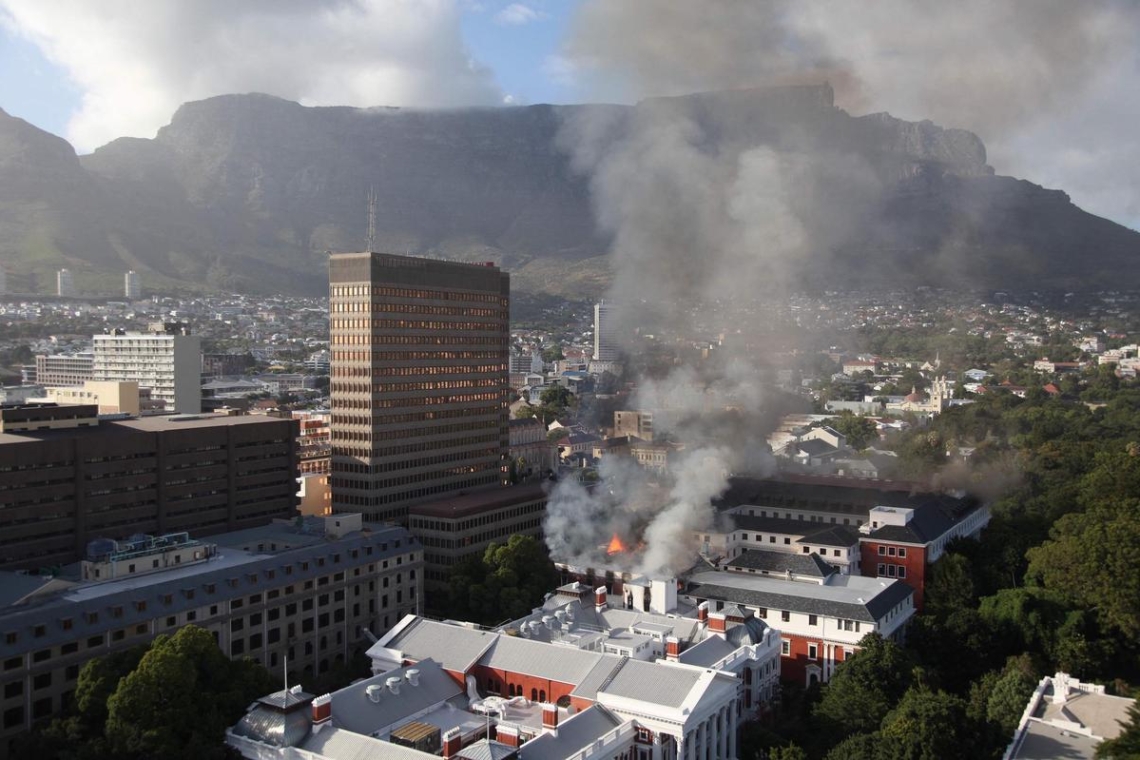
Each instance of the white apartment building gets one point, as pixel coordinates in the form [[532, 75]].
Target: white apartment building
[[605, 339], [167, 359], [64, 283], [132, 287]]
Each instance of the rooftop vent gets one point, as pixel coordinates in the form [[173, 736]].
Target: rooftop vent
[[413, 676], [374, 691], [394, 684]]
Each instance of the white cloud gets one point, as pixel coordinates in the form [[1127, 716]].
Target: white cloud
[[136, 61], [518, 14]]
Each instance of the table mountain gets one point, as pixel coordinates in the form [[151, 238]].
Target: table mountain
[[248, 192]]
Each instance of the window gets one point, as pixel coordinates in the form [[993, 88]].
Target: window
[[42, 681], [813, 620], [787, 540], [902, 551], [902, 571], [881, 569], [891, 571], [771, 539], [890, 551], [13, 717], [785, 616], [807, 549], [882, 551], [813, 652], [837, 554], [785, 647]]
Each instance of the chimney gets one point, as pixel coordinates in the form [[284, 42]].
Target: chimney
[[508, 735], [716, 622], [549, 715], [452, 742], [600, 598], [322, 709], [672, 648], [703, 614]]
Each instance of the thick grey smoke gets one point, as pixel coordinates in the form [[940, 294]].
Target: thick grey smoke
[[1046, 83], [709, 201]]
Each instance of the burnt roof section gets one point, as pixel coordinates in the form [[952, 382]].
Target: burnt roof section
[[827, 496]]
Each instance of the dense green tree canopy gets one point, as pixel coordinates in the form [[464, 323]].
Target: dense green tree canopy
[[506, 582]]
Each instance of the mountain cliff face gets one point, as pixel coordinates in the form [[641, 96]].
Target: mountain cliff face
[[248, 192]]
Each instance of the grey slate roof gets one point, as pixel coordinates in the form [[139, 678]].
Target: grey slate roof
[[710, 651], [839, 599], [653, 682], [854, 499], [777, 562], [535, 658], [354, 711], [832, 535], [454, 647], [574, 734], [486, 749], [339, 744], [598, 676]]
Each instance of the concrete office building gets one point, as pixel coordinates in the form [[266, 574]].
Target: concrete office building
[[64, 283], [605, 337], [132, 287], [166, 358], [311, 593], [67, 478], [418, 382], [65, 369], [455, 528], [110, 398]]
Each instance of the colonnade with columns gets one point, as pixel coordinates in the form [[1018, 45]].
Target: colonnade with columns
[[714, 738]]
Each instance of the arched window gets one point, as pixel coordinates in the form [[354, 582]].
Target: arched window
[[542, 696], [534, 695]]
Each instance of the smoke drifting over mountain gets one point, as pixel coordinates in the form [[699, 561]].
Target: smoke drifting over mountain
[[733, 225], [1044, 82]]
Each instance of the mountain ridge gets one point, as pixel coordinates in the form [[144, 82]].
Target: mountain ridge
[[248, 192]]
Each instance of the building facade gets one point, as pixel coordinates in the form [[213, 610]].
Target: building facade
[[132, 285], [64, 369], [67, 478], [418, 380], [64, 283], [605, 335], [457, 527], [278, 591], [166, 359]]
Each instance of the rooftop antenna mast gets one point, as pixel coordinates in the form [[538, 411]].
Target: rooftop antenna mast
[[371, 218]]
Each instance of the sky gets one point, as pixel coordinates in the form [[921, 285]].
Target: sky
[[1049, 85]]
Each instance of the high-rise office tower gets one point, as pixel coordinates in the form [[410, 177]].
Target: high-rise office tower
[[132, 288], [419, 380], [167, 359], [605, 346], [64, 283]]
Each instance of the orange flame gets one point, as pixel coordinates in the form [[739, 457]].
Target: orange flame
[[616, 546]]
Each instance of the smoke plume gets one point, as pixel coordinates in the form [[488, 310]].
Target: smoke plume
[[716, 201]]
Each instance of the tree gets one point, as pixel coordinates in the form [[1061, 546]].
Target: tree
[[859, 431], [1010, 694], [951, 585], [506, 582], [552, 354], [181, 698], [865, 687], [1127, 745], [930, 725], [1091, 559]]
